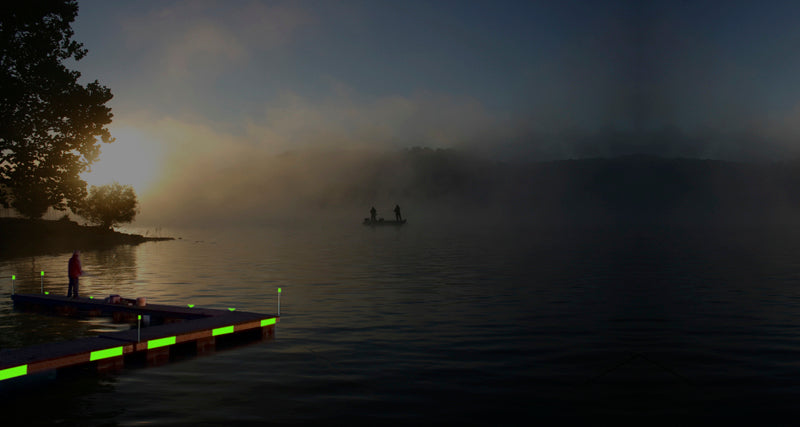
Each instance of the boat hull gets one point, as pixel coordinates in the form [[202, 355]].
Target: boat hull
[[382, 222]]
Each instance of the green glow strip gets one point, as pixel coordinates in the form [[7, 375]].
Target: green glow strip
[[46, 293], [222, 331], [231, 308], [13, 277], [42, 272], [279, 290], [267, 322], [16, 371], [104, 354], [161, 342], [190, 305]]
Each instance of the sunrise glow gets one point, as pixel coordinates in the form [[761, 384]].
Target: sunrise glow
[[133, 159]]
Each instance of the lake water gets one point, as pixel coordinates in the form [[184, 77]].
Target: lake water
[[468, 325]]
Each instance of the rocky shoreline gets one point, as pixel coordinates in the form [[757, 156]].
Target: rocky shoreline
[[24, 237]]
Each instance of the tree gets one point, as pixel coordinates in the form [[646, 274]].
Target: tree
[[110, 205], [49, 122]]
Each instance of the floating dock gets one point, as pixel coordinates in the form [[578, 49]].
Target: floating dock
[[176, 330]]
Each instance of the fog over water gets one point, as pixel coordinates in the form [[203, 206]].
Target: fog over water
[[444, 186], [209, 98], [602, 203]]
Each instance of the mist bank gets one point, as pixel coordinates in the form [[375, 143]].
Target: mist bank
[[445, 185]]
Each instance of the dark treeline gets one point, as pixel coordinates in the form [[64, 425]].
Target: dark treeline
[[29, 237], [623, 189]]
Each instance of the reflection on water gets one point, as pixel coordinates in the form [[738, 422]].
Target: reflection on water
[[107, 270], [450, 325]]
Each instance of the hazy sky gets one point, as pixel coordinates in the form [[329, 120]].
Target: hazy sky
[[563, 78]]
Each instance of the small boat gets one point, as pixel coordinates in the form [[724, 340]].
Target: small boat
[[381, 221]]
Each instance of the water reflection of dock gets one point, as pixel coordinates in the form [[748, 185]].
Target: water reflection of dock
[[173, 332]]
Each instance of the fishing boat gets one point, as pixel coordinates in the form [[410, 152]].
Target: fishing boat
[[381, 221]]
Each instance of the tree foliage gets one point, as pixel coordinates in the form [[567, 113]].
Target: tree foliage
[[49, 122], [110, 205]]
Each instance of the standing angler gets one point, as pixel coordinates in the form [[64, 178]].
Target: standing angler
[[75, 272]]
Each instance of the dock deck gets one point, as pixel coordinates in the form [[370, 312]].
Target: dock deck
[[197, 328]]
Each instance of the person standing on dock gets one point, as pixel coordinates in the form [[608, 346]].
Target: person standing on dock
[[397, 215], [372, 213], [75, 272]]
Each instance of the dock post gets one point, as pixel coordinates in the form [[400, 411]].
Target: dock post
[[205, 345], [279, 301], [158, 356], [139, 329], [110, 365], [13, 278], [42, 291]]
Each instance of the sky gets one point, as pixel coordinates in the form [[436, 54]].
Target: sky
[[203, 86]]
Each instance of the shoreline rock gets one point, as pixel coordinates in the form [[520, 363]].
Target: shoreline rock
[[20, 237]]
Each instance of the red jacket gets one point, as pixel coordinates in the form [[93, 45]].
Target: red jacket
[[75, 267]]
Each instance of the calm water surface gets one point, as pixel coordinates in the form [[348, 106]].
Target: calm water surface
[[467, 325]]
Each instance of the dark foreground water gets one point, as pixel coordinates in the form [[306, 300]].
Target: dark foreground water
[[474, 325]]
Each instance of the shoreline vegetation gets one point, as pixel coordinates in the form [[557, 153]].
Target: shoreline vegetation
[[25, 237]]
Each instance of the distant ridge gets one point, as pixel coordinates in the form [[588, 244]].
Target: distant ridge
[[450, 185], [629, 188]]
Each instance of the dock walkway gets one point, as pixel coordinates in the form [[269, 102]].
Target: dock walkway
[[183, 327]]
